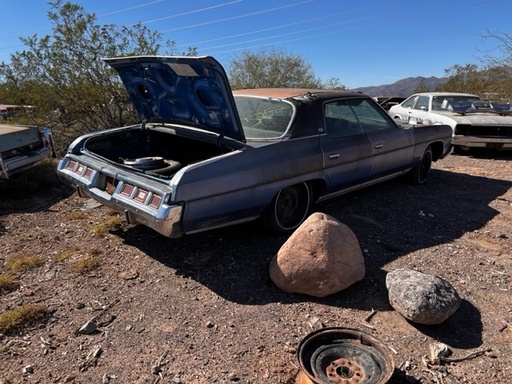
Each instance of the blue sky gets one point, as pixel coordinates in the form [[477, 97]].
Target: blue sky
[[363, 43]]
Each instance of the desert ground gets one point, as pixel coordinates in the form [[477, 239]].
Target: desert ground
[[202, 309]]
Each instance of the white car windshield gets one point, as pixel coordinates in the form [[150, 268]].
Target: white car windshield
[[440, 103], [263, 118]]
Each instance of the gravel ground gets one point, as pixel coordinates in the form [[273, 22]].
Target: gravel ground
[[202, 309]]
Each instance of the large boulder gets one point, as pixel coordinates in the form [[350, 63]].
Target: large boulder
[[320, 258], [420, 297]]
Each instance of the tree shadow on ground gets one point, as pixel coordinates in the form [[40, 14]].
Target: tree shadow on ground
[[390, 220], [34, 190]]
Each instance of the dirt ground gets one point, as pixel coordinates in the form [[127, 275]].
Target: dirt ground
[[202, 309]]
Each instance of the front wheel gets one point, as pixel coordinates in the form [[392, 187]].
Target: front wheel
[[289, 208], [419, 174]]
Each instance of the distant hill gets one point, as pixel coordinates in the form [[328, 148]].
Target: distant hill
[[404, 87]]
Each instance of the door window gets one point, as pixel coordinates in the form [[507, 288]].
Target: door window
[[340, 120], [370, 116]]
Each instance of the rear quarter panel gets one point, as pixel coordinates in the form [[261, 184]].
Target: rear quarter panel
[[242, 183]]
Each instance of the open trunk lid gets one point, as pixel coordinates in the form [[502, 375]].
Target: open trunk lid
[[183, 90]]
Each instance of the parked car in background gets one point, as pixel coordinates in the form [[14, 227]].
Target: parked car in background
[[22, 147], [205, 157], [475, 123], [387, 102]]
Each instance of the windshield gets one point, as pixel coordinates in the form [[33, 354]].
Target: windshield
[[263, 118], [440, 103]]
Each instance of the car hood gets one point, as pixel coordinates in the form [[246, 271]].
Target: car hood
[[184, 90], [478, 118]]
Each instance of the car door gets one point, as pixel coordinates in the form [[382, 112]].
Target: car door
[[419, 112], [392, 146], [347, 152]]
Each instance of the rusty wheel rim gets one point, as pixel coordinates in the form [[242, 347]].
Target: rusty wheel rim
[[345, 356]]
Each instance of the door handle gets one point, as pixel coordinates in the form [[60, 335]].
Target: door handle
[[334, 156], [378, 146]]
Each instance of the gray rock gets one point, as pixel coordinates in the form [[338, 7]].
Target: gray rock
[[420, 297], [28, 370], [88, 328], [320, 258]]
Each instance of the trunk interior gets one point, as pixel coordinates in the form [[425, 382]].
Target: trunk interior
[[151, 151]]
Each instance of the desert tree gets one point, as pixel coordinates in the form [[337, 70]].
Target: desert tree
[[333, 83], [273, 68], [498, 64], [468, 78], [62, 74]]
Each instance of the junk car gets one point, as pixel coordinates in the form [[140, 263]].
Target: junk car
[[204, 156]]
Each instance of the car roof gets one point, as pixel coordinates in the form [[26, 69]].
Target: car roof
[[444, 94], [287, 93]]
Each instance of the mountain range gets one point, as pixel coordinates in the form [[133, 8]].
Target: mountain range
[[404, 87]]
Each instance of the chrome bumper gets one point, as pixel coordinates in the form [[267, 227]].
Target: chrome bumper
[[482, 142], [143, 201]]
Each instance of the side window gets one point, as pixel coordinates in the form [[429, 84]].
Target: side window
[[409, 102], [422, 103], [370, 116], [339, 120]]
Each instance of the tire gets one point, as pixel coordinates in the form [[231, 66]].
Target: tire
[[289, 208], [419, 174]]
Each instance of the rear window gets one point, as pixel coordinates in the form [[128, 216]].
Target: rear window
[[264, 118], [440, 103]]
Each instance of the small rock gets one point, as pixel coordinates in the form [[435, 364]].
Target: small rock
[[233, 377], [105, 379], [88, 328], [156, 369], [50, 275], [438, 350], [79, 306], [28, 370], [130, 274], [421, 298]]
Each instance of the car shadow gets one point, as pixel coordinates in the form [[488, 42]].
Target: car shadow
[[36, 189], [390, 220]]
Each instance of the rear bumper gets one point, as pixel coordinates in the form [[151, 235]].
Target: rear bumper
[[141, 201], [18, 164], [482, 142]]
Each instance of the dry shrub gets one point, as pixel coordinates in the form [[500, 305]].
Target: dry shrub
[[21, 317], [77, 216], [85, 264], [63, 256], [22, 263], [8, 283], [112, 223]]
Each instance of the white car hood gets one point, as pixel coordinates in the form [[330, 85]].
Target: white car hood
[[476, 118]]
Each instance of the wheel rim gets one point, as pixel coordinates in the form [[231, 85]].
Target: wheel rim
[[345, 356], [426, 163], [292, 205]]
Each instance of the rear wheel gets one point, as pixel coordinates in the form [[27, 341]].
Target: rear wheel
[[289, 208], [419, 174]]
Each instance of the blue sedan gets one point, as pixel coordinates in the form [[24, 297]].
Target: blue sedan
[[205, 156]]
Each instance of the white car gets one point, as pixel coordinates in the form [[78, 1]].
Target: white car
[[475, 123], [22, 147]]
